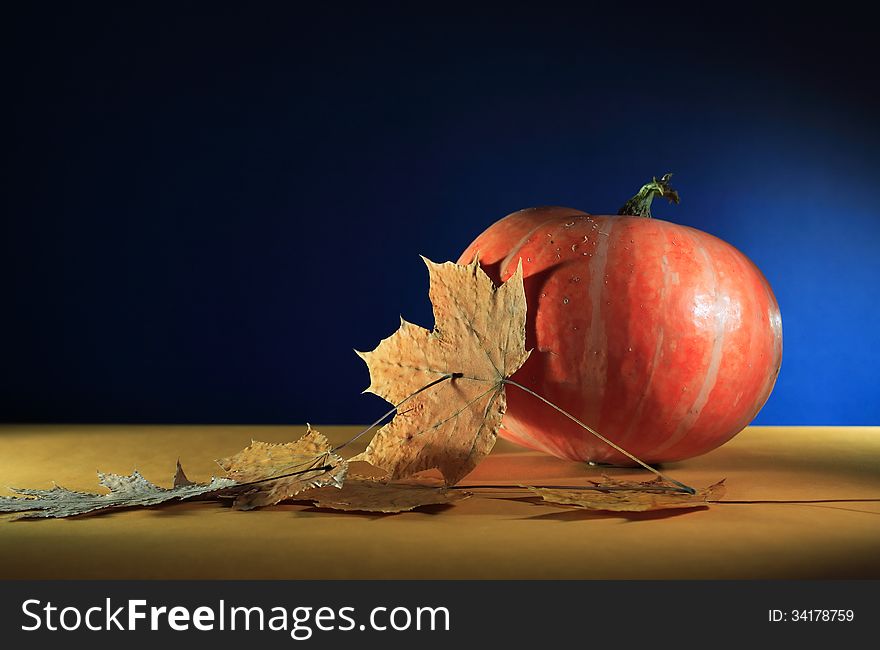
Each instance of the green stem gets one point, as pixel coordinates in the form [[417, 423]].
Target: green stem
[[640, 204]]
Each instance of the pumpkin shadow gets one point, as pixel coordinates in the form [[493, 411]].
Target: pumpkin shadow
[[766, 461]]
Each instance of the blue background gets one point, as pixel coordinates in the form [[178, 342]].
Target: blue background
[[207, 206]]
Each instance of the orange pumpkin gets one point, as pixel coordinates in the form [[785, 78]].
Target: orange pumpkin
[[664, 338]]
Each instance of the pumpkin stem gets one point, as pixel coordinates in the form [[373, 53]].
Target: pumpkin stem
[[640, 204]]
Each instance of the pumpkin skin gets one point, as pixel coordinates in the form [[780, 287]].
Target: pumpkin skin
[[664, 338]]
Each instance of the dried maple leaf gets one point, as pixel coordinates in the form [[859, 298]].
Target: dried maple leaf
[[125, 492], [365, 494], [478, 341], [307, 463], [630, 496]]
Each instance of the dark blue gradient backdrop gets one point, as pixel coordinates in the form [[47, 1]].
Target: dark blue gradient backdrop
[[206, 207]]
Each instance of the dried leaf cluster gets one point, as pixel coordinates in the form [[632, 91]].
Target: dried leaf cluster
[[630, 496], [124, 492], [310, 462], [448, 388]]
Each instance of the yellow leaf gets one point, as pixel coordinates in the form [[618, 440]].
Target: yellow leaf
[[630, 496], [477, 342], [307, 463]]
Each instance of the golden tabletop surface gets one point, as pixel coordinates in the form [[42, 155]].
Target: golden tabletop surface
[[801, 502]]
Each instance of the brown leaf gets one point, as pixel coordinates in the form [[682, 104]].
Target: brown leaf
[[180, 479], [479, 338], [371, 495], [307, 463], [630, 496]]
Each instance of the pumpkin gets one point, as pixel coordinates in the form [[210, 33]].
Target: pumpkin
[[663, 338]]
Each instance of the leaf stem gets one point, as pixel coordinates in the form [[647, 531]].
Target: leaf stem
[[449, 375], [322, 468], [328, 467], [681, 486]]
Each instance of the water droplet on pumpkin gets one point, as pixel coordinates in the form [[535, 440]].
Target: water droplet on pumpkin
[[574, 248], [629, 349], [576, 278], [569, 224], [565, 301], [543, 295], [528, 259]]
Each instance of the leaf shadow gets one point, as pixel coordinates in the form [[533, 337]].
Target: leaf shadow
[[583, 514], [182, 509], [432, 510], [169, 509]]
